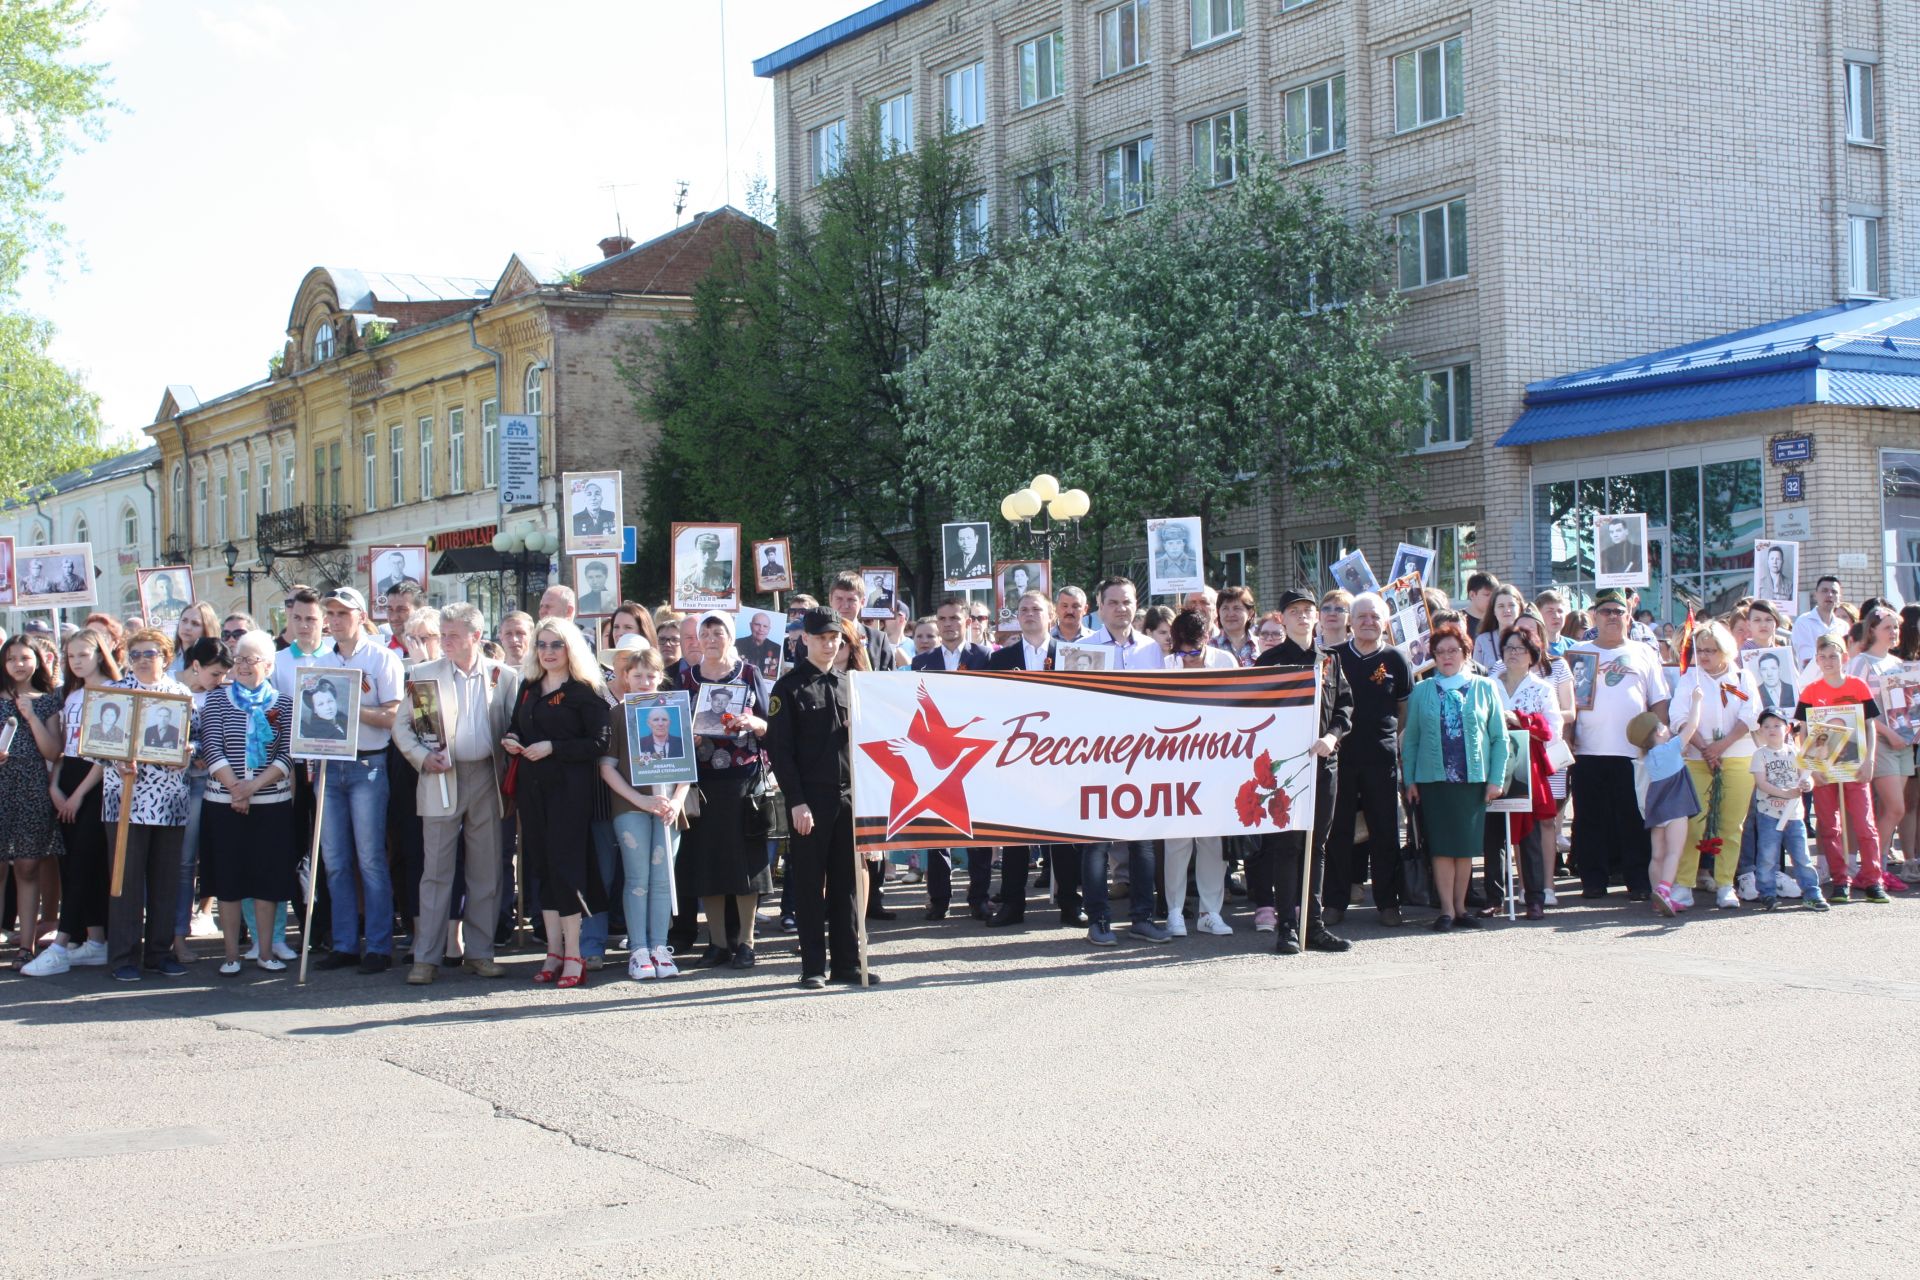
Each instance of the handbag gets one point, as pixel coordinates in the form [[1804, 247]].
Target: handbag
[[762, 803], [1559, 755]]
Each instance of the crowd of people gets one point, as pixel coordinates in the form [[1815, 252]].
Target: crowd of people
[[1660, 763]]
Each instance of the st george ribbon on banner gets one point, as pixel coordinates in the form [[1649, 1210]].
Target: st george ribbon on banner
[[1057, 757]]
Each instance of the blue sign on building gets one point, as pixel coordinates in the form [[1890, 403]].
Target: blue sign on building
[[1793, 487], [1792, 449]]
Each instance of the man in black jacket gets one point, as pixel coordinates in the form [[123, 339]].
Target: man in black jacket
[[808, 741], [1034, 650], [1283, 851], [846, 597]]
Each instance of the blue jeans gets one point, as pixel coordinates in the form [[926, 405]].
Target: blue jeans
[[1748, 842], [647, 849], [353, 845], [1769, 839], [593, 929], [190, 851], [1141, 873]]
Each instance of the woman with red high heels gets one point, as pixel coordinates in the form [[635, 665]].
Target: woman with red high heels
[[560, 730]]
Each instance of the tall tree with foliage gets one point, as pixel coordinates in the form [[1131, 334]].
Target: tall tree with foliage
[[1166, 359], [776, 401], [49, 421]]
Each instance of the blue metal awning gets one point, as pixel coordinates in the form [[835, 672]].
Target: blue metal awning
[[1861, 354]]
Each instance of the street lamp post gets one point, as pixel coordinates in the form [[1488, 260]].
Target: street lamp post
[[232, 556], [1062, 509], [524, 545]]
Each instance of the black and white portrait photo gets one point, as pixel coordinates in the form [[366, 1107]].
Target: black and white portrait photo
[[593, 512], [1074, 657], [164, 732], [388, 569], [717, 702], [1013, 579], [55, 577], [326, 713], [596, 584], [1585, 664], [1408, 558], [106, 725], [1774, 675], [706, 567], [772, 565], [967, 555], [1352, 574], [165, 593], [1620, 550], [883, 589], [1173, 556], [1776, 573]]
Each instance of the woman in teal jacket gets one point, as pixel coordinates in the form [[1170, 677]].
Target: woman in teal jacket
[[1454, 758]]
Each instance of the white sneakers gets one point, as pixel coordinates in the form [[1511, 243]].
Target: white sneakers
[[640, 965], [91, 952], [657, 963], [1682, 896], [1789, 885], [1726, 899], [202, 925], [49, 963], [663, 962], [1176, 924], [229, 967], [1211, 923], [1747, 886]]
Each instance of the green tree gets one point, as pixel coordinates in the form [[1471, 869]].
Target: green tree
[[775, 400], [49, 421], [1166, 360]]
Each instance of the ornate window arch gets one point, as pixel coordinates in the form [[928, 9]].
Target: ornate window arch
[[535, 394], [323, 342]]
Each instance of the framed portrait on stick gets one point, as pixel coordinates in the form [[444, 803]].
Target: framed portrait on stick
[[326, 713], [1013, 579], [388, 569], [1776, 573], [163, 734], [1353, 575], [1409, 559], [966, 553], [106, 725], [1620, 550], [1518, 795], [55, 577], [593, 512], [1585, 665], [1835, 742], [1174, 564], [706, 567], [596, 584], [773, 565], [883, 589], [165, 593], [659, 744]]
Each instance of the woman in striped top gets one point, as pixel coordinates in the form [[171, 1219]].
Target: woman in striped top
[[247, 844]]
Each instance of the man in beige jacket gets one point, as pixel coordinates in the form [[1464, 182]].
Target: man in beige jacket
[[475, 697]]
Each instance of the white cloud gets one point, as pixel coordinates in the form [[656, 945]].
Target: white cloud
[[254, 31]]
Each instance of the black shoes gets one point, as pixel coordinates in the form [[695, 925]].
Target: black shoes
[[713, 957], [881, 913], [1001, 919], [1441, 923], [337, 960], [980, 912], [374, 962], [1073, 919], [788, 924], [743, 957], [1289, 941], [933, 913], [1320, 938], [853, 979], [812, 982]]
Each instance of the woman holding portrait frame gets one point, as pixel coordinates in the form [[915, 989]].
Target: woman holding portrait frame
[[1834, 688], [143, 910]]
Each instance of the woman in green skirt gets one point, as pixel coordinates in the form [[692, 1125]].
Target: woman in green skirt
[[1454, 757]]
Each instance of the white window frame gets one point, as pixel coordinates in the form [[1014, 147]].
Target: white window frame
[[180, 522], [893, 123], [533, 390], [80, 530], [457, 449], [289, 482], [1129, 20], [396, 463], [1902, 553], [1864, 279], [1415, 70], [1217, 144], [964, 91], [319, 481], [1326, 551], [323, 342], [1212, 20], [1308, 139], [1043, 68], [973, 226], [1862, 95], [129, 527], [489, 442], [370, 471], [1126, 174], [826, 150], [1464, 538], [220, 492], [200, 506], [1453, 228], [242, 473], [1452, 384], [264, 471], [425, 425]]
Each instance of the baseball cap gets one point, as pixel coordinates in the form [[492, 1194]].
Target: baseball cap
[[1774, 713], [348, 596], [38, 627], [1294, 595], [1611, 595], [819, 621]]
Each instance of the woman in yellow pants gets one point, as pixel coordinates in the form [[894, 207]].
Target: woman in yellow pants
[[1723, 745]]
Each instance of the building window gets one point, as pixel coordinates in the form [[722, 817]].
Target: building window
[[1214, 19], [456, 450], [1317, 119], [1863, 257], [320, 475], [1860, 104], [426, 458], [1313, 560], [80, 530], [1900, 518], [220, 507], [893, 123], [1428, 85], [323, 342], [1458, 558], [242, 528], [825, 147], [966, 94], [1449, 396], [1128, 174], [534, 395], [129, 528], [200, 507], [1238, 566], [489, 441], [369, 473], [1292, 4], [338, 484], [1043, 73], [266, 485], [1217, 141], [289, 496], [396, 463], [1704, 508], [1123, 37], [974, 225], [1433, 244], [177, 517], [1039, 194]]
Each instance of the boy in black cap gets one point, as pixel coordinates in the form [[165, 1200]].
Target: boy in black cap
[[1283, 851], [807, 740]]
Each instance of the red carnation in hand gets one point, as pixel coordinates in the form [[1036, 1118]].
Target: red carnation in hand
[[1278, 807], [1263, 771], [1247, 803]]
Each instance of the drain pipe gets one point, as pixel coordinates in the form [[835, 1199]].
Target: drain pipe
[[499, 407]]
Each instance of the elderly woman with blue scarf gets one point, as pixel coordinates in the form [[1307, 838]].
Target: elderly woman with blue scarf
[[248, 847]]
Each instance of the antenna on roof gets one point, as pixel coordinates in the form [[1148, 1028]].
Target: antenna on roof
[[613, 188], [679, 201]]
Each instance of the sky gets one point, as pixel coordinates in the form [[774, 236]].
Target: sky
[[256, 141]]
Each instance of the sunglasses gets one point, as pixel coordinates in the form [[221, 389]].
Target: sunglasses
[[140, 654], [234, 634], [550, 646], [1186, 653]]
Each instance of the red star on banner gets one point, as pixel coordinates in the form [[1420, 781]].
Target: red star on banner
[[929, 767]]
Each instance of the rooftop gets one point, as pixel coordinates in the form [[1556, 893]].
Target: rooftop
[[858, 24], [99, 473]]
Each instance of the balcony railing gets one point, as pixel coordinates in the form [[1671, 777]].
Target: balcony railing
[[302, 531]]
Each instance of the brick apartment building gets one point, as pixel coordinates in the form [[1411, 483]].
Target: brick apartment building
[[1574, 186], [378, 423]]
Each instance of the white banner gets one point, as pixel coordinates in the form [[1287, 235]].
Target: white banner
[[519, 461], [1042, 757]]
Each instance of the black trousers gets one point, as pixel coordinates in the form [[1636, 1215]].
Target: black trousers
[[876, 885], [1609, 837], [140, 918], [406, 838], [940, 877], [1064, 863], [1284, 851], [86, 865], [820, 865], [1370, 784]]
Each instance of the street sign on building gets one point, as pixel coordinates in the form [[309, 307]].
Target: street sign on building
[[519, 459], [629, 544]]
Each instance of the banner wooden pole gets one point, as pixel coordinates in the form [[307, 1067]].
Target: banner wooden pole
[[1509, 865], [1306, 867], [314, 871], [120, 835]]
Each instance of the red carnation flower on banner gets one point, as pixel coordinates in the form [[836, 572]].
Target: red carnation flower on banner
[[1247, 803], [1264, 797], [1263, 770], [1278, 806]]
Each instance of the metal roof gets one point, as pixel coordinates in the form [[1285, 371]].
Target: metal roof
[[1865, 354], [364, 290], [99, 473], [874, 15]]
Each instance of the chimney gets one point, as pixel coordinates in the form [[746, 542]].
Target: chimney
[[615, 244]]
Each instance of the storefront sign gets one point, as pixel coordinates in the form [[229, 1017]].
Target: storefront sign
[[1791, 449], [1793, 524], [519, 459], [1793, 487], [481, 535]]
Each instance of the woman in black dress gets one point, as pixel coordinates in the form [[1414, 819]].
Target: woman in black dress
[[560, 730], [248, 845], [724, 851]]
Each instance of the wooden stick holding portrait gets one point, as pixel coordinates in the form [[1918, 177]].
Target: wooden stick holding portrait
[[326, 718]]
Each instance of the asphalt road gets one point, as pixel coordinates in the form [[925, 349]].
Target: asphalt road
[[1603, 1094]]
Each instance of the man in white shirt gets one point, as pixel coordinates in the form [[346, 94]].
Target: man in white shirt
[[1128, 650], [1071, 606], [1034, 650], [1609, 837], [1823, 619], [353, 834]]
